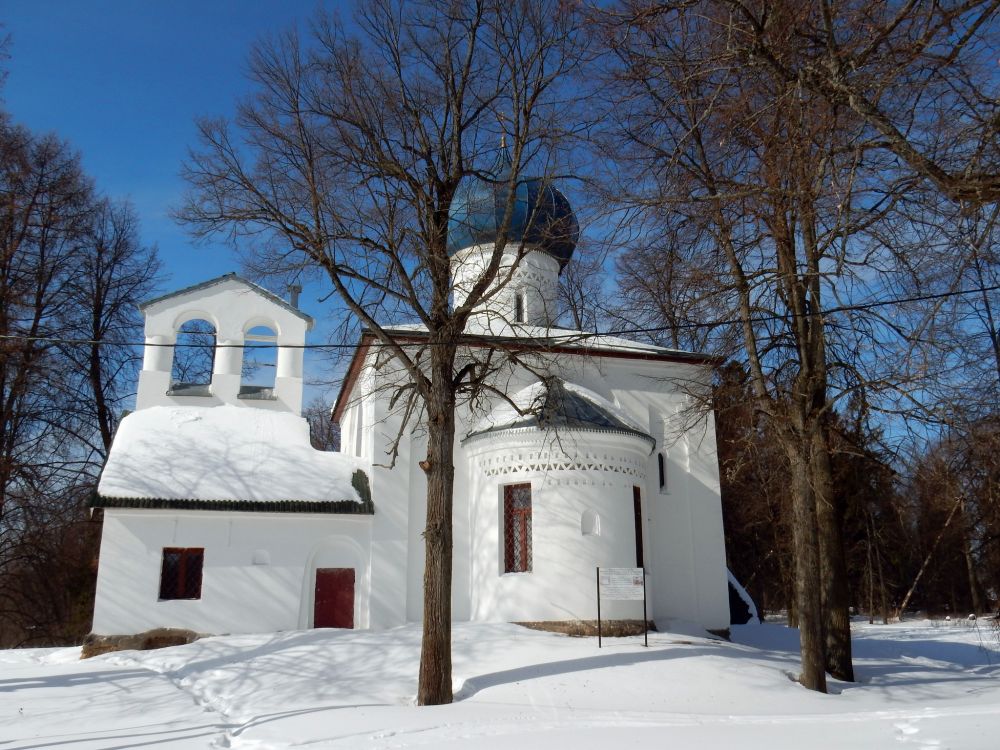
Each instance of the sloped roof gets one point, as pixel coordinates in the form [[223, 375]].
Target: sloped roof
[[558, 405], [539, 339], [270, 296], [564, 339], [221, 455]]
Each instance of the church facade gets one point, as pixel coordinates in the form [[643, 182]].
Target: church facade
[[219, 517]]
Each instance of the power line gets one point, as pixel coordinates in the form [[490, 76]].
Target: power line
[[578, 335]]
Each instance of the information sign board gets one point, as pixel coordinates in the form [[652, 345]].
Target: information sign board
[[622, 584]]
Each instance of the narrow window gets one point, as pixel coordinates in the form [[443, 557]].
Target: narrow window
[[519, 306], [517, 528], [637, 509], [180, 573], [661, 464]]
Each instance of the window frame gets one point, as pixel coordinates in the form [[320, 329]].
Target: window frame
[[520, 306], [640, 560], [182, 589], [517, 558]]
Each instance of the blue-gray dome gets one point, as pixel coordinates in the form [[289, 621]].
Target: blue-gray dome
[[541, 215]]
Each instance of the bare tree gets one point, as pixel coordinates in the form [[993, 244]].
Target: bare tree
[[71, 273], [347, 159], [921, 76], [783, 142]]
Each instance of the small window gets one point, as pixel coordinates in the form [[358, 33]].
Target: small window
[[180, 573], [517, 528], [590, 523], [519, 306], [661, 464], [637, 510]]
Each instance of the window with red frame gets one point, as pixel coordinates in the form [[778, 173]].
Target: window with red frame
[[517, 528], [180, 572]]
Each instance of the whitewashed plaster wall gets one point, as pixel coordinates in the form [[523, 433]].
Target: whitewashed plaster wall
[[233, 308], [394, 483], [237, 595], [535, 279], [684, 540], [572, 474], [686, 517]]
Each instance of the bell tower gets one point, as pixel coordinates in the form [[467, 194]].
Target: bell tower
[[231, 319]]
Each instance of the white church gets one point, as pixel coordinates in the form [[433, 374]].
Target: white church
[[219, 516]]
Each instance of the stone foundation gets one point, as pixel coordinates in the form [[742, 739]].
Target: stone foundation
[[94, 645]]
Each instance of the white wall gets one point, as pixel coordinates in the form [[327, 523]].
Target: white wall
[[536, 278], [237, 595], [684, 541], [570, 473]]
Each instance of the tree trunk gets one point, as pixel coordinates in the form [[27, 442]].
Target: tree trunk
[[833, 566], [978, 607], [434, 687], [808, 604], [869, 571], [927, 560]]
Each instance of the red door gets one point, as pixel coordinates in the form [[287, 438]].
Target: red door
[[334, 598]]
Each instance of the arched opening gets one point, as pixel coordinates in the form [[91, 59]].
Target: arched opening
[[590, 523], [260, 362], [194, 359]]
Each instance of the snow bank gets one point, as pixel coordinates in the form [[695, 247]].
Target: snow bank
[[918, 686], [222, 453]]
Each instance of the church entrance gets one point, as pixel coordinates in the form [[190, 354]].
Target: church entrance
[[334, 598]]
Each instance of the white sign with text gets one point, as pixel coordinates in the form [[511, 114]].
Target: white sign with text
[[621, 583]]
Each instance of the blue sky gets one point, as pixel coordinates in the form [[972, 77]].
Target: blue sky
[[123, 81]]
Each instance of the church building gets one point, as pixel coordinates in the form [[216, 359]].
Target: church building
[[220, 517]]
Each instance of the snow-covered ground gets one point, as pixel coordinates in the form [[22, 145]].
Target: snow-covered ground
[[921, 685]]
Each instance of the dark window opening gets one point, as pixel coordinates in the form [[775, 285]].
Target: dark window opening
[[637, 509], [517, 528], [180, 573], [662, 466], [519, 307]]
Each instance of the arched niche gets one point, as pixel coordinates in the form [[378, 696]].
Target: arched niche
[[590, 523]]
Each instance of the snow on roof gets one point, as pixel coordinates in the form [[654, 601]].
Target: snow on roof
[[558, 405], [222, 453]]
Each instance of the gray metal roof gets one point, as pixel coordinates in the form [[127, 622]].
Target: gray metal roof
[[566, 409]]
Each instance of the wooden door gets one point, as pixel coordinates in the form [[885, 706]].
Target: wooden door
[[334, 598]]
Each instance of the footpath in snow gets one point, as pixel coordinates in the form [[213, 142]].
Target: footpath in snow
[[921, 685]]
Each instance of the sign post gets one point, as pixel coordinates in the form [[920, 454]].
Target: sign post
[[622, 584]]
